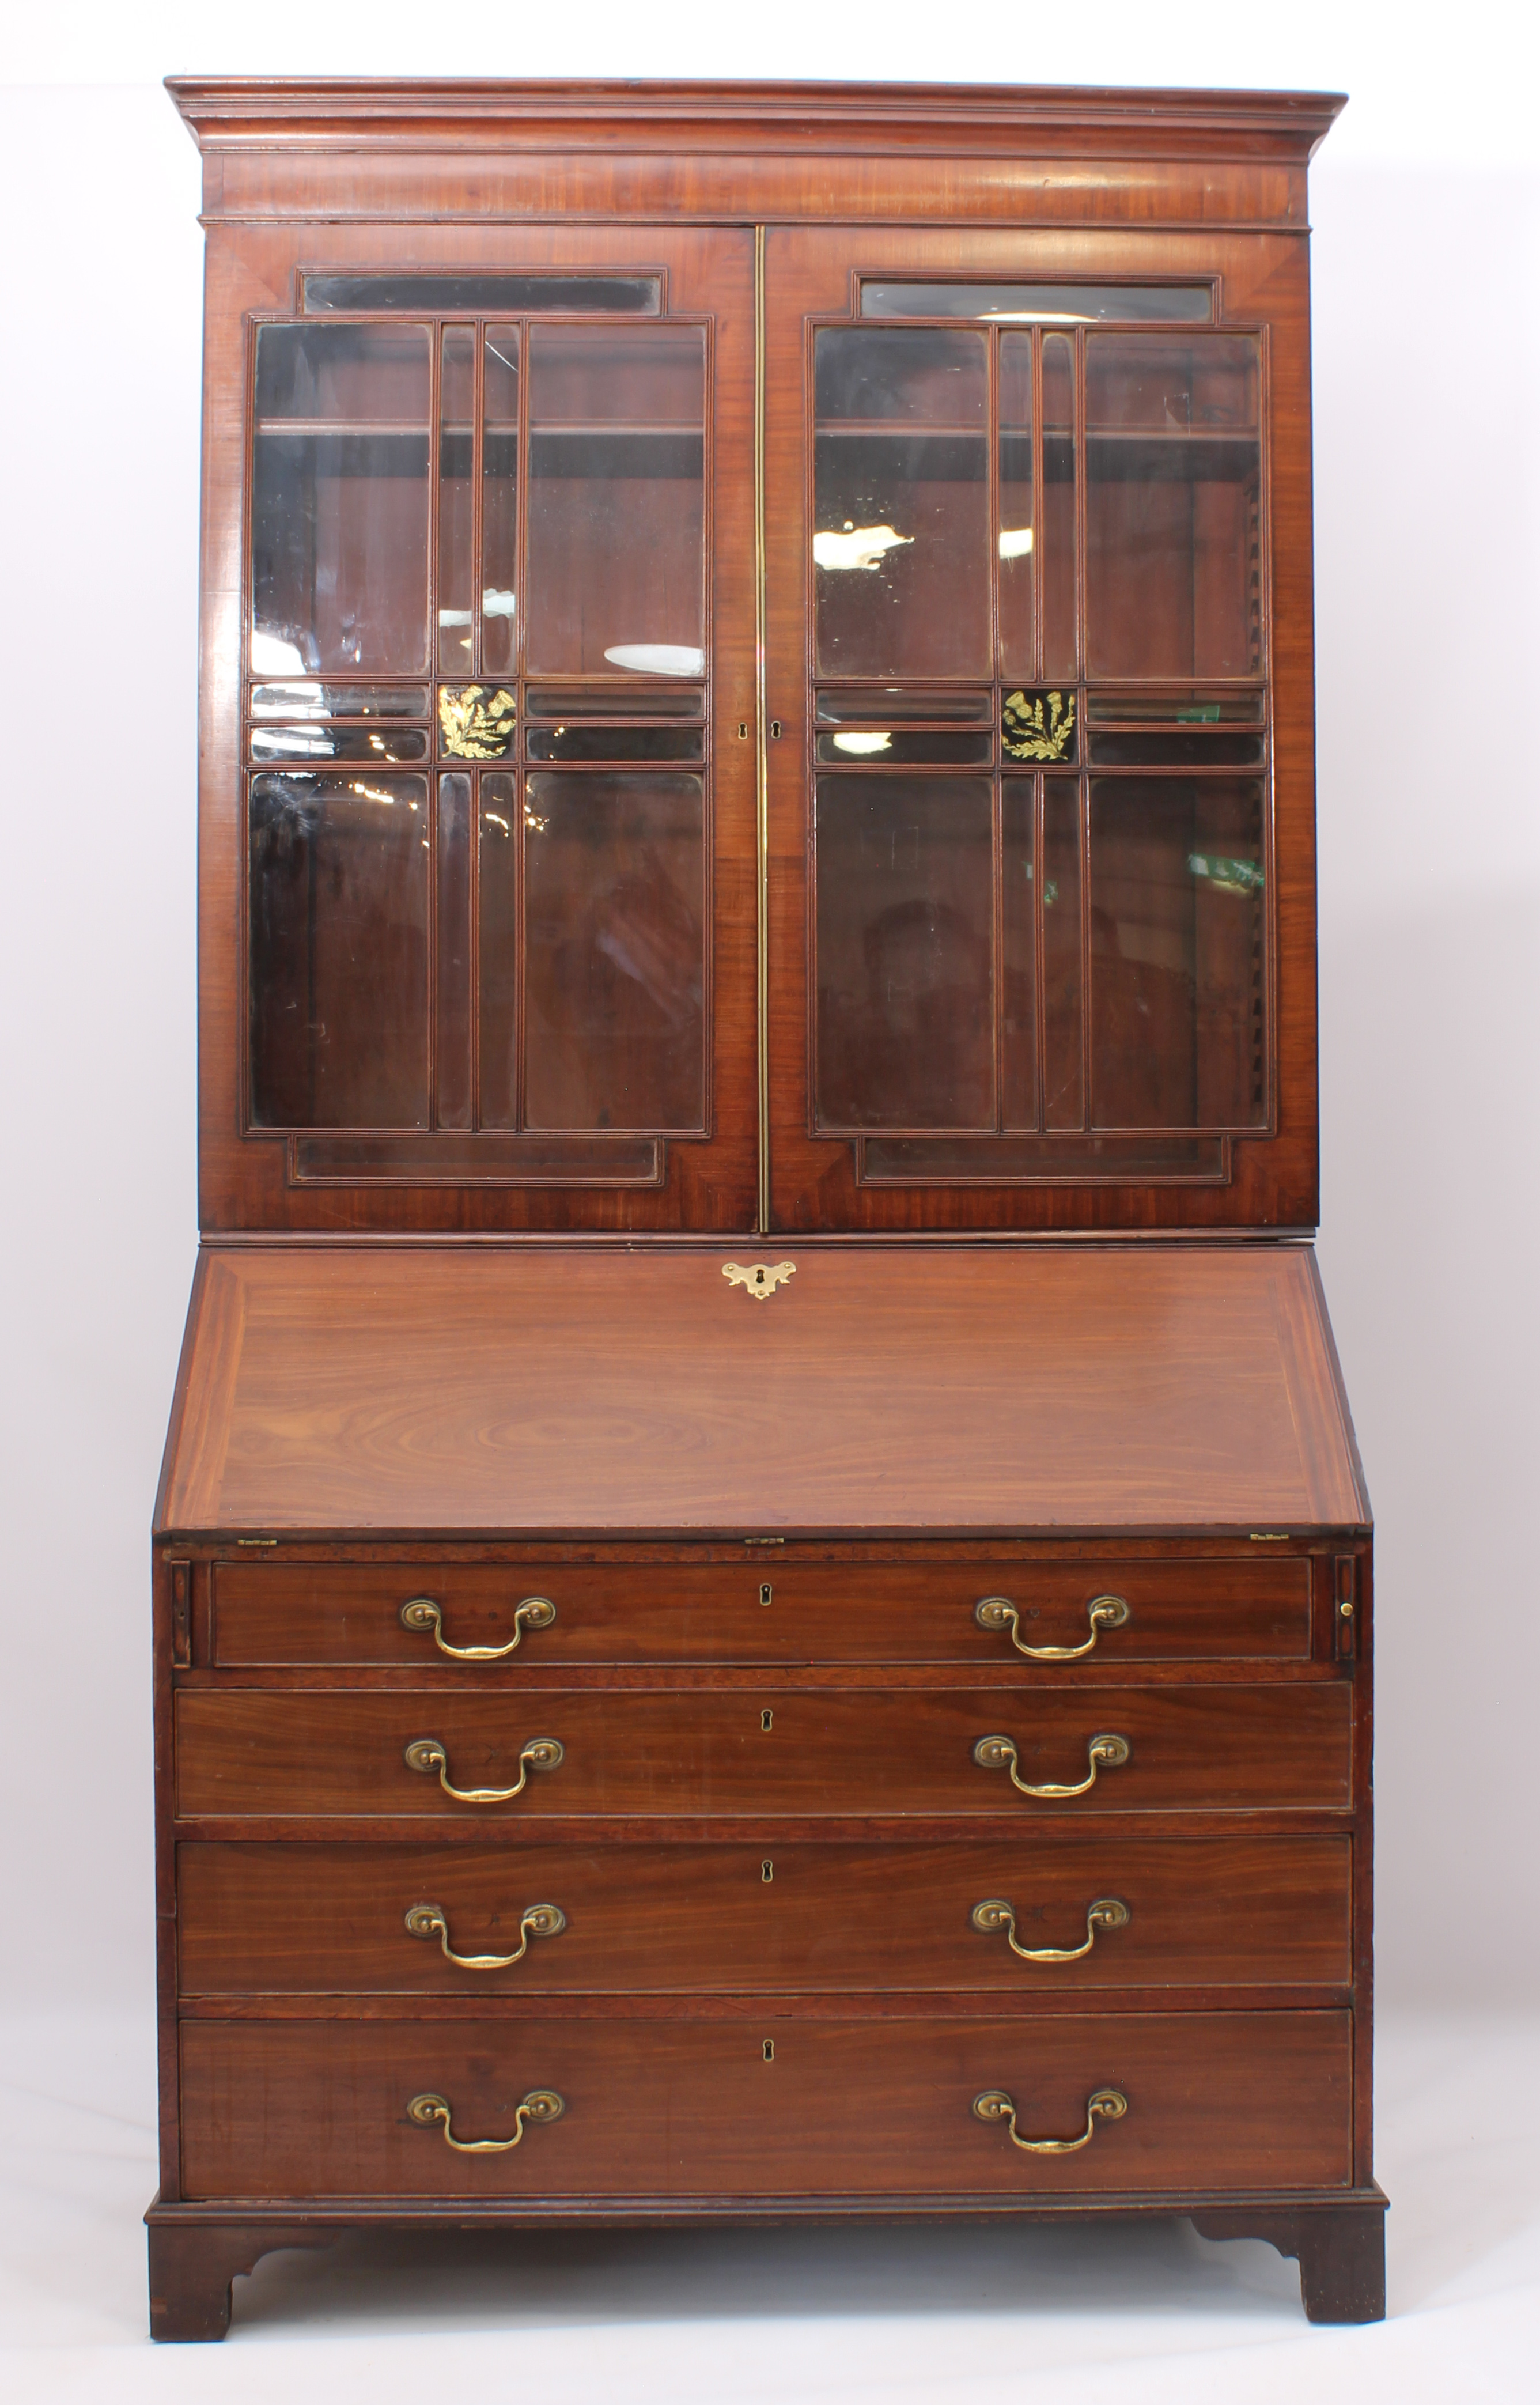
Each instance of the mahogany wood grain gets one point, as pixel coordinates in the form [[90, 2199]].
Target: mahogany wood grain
[[1257, 1607], [1213, 1749], [319, 2109], [947, 1389], [275, 1919]]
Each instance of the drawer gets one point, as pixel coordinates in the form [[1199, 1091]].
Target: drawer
[[763, 1749], [766, 2107], [308, 1613], [275, 1919]]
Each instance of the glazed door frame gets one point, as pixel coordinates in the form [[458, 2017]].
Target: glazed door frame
[[1268, 1180], [253, 1177]]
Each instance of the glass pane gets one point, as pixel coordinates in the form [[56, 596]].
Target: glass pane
[[905, 943], [1062, 1159], [1018, 1050], [614, 701], [1178, 917], [303, 699], [900, 706], [894, 747], [614, 914], [617, 500], [339, 743], [338, 902], [900, 536], [600, 743], [499, 498], [1064, 1085], [1151, 749], [1047, 304], [1173, 509], [476, 295], [1174, 709], [339, 511], [497, 868], [457, 501], [1017, 531], [452, 1029], [1060, 648], [479, 1160]]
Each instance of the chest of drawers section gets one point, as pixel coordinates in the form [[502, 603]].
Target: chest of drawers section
[[977, 1877]]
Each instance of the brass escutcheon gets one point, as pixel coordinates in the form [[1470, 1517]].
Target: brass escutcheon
[[760, 1280], [1104, 1612]]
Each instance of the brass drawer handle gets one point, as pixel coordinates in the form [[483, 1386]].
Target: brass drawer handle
[[424, 1753], [535, 1920], [1108, 1912], [541, 2105], [534, 1611], [1104, 2104], [1103, 1753], [1104, 1612]]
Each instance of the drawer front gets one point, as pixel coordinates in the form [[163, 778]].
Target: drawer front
[[272, 1919], [313, 1613], [804, 1751], [768, 2107]]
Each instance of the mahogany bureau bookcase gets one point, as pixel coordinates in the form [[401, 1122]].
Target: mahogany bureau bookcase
[[762, 1584]]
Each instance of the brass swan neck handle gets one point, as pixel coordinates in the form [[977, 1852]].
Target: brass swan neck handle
[[1104, 1612], [1102, 1752], [541, 2105], [535, 1920], [1103, 2105], [426, 1754], [1108, 1912], [421, 1612]]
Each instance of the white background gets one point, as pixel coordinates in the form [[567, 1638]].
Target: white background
[[1426, 267]]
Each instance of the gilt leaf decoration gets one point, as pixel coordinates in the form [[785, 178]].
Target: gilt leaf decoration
[[475, 723]]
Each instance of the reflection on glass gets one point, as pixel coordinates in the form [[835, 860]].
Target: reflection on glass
[[901, 705], [1018, 875], [905, 944], [617, 496], [338, 950], [1064, 1083], [1154, 747], [340, 498], [456, 505], [382, 745], [1060, 648], [901, 509], [474, 295], [451, 1030], [497, 950], [1045, 305], [1178, 917], [499, 498], [615, 974], [894, 746], [1173, 518], [1016, 531], [303, 699]]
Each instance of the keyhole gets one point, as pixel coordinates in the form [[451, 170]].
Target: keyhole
[[775, 729], [743, 730], [758, 1278], [765, 1592], [769, 2049], [767, 1870], [767, 1722]]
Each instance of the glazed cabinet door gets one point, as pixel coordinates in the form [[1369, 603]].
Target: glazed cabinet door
[[1040, 799], [495, 915]]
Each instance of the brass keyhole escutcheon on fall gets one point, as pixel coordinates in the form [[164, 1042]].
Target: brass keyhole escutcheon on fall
[[768, 1721]]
